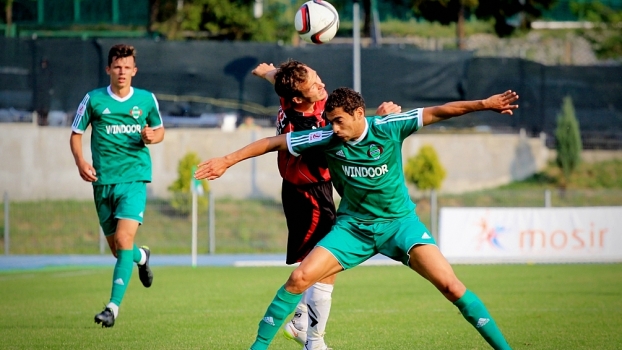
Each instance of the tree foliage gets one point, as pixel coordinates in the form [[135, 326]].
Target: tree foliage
[[424, 170], [220, 20], [180, 188], [606, 37], [568, 140], [504, 13]]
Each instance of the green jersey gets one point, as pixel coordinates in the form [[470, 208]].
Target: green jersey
[[119, 153], [367, 172]]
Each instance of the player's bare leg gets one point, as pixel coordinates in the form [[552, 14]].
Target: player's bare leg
[[123, 248], [428, 261], [317, 265]]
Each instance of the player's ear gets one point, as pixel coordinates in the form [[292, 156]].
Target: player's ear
[[134, 71], [359, 112]]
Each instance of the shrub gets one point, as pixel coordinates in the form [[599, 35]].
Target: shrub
[[568, 140], [424, 170], [182, 198]]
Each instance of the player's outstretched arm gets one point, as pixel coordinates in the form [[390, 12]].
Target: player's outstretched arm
[[500, 103], [266, 71], [212, 169]]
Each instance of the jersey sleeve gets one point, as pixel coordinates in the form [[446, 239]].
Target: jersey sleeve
[[83, 116], [299, 141], [154, 119], [401, 125]]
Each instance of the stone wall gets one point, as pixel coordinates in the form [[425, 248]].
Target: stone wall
[[36, 162]]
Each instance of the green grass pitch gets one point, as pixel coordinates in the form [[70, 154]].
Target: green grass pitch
[[375, 307]]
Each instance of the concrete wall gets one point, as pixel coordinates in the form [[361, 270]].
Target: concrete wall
[[36, 163]]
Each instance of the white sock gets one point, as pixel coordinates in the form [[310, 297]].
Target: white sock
[[143, 257], [318, 302], [301, 319], [115, 309]]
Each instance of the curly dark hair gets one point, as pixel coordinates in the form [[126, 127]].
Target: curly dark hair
[[346, 98], [121, 51], [289, 76]]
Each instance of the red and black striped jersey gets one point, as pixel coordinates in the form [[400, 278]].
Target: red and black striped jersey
[[310, 167]]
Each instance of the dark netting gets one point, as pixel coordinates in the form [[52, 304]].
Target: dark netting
[[49, 13], [194, 79], [16, 78]]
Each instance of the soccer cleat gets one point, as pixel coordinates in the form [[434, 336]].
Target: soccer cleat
[[324, 348], [291, 332], [106, 318], [144, 272]]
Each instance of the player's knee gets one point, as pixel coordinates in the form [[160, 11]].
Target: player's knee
[[453, 289], [299, 281]]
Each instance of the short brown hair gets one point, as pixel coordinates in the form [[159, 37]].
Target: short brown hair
[[346, 98], [289, 76], [121, 51]]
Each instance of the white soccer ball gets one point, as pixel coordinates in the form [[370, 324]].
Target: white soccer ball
[[317, 21]]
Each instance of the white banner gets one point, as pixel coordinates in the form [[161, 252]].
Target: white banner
[[499, 235]]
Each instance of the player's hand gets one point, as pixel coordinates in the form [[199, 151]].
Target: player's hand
[[388, 108], [211, 169], [87, 172], [502, 103], [263, 69], [147, 134]]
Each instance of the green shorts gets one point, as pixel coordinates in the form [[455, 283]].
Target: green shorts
[[119, 201], [352, 241]]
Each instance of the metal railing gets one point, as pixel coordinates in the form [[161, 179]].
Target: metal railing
[[225, 225]]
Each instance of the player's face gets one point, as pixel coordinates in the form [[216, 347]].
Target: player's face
[[313, 89], [345, 126], [121, 71]]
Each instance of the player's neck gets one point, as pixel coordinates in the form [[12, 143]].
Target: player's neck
[[305, 107], [360, 127], [121, 91]]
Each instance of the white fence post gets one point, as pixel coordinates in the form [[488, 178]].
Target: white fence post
[[212, 225], [547, 198], [194, 228], [7, 240], [434, 214]]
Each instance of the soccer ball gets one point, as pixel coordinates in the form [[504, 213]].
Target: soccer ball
[[317, 21]]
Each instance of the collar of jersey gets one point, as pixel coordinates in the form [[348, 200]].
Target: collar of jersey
[[120, 99], [362, 135]]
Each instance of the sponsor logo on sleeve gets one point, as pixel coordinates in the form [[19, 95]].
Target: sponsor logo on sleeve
[[315, 136]]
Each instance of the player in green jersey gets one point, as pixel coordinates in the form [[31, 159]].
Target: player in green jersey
[[124, 120], [376, 215]]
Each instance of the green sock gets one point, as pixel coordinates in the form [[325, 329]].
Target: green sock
[[121, 275], [136, 254], [284, 303], [475, 312]]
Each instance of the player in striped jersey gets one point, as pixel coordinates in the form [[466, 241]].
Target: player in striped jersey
[[375, 215], [307, 191], [124, 120]]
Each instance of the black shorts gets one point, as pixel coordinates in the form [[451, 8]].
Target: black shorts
[[310, 214]]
